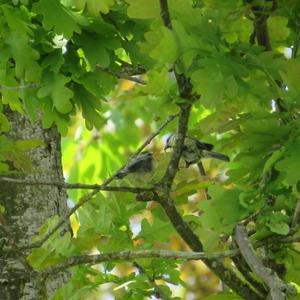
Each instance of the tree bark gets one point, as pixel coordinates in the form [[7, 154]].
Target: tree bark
[[26, 210]]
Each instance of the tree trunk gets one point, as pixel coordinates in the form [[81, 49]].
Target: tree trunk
[[26, 210]]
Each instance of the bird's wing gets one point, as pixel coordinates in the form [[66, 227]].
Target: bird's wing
[[203, 145], [143, 161]]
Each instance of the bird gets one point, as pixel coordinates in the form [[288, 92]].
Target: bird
[[139, 165], [194, 150]]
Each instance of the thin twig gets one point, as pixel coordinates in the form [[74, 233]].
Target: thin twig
[[123, 75], [151, 137], [130, 69], [164, 187], [142, 147], [103, 186], [127, 255], [172, 168], [203, 174], [98, 187], [19, 87], [275, 240]]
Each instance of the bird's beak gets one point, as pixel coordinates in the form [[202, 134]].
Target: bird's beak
[[166, 147]]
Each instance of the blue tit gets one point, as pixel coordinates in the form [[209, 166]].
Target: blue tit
[[140, 165], [194, 150]]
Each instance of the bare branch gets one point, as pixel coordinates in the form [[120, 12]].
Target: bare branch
[[164, 12], [123, 75], [203, 173], [131, 69], [127, 255], [276, 239], [151, 137], [260, 23], [98, 187], [18, 87], [172, 168], [164, 187], [276, 286], [142, 147]]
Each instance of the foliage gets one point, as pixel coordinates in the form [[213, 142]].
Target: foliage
[[73, 61]]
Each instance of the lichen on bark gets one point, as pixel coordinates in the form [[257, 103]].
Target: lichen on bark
[[28, 207]]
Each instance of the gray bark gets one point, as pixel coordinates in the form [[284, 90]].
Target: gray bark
[[26, 210]]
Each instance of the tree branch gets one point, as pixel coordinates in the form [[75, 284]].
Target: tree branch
[[128, 255], [244, 269], [130, 69], [276, 286], [260, 24], [164, 13], [164, 186], [18, 87], [103, 186], [123, 75], [172, 168], [151, 137], [98, 187]]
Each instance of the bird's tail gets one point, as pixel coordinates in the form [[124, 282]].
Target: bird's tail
[[216, 155]]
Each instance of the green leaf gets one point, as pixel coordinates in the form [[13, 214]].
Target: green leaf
[[26, 145], [4, 168], [9, 151], [53, 85], [157, 231], [222, 211], [91, 108], [290, 163], [281, 228], [161, 45], [41, 258], [189, 45], [143, 9], [94, 7], [4, 124], [211, 88], [32, 103], [290, 76], [25, 57], [278, 29], [57, 17], [94, 48], [223, 296], [276, 155], [17, 18], [51, 115], [231, 87], [54, 61]]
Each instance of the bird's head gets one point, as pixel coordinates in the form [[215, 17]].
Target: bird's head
[[169, 141]]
